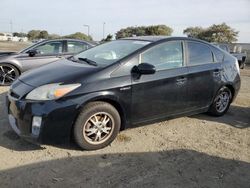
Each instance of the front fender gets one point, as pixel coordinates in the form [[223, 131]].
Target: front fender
[[122, 104]]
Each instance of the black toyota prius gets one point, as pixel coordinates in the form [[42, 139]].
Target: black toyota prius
[[93, 95]]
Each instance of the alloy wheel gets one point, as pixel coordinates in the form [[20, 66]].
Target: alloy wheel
[[222, 101], [98, 128], [7, 74]]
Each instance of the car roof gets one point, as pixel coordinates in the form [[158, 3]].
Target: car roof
[[147, 38], [160, 38], [68, 39]]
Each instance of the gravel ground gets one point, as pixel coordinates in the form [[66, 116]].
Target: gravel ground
[[196, 151]]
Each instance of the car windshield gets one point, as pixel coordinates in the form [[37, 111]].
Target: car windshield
[[110, 52]]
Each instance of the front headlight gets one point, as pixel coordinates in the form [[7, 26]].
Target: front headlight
[[51, 91]]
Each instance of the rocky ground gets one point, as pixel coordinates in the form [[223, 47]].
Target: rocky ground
[[196, 151]]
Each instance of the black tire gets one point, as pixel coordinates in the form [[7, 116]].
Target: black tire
[[8, 74], [242, 66], [84, 122], [214, 108]]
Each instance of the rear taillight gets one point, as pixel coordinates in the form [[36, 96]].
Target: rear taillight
[[237, 65]]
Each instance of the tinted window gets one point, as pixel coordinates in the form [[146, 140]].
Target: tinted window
[[75, 47], [53, 47], [199, 53], [164, 56]]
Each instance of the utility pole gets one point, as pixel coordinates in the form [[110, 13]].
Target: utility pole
[[103, 30], [11, 26], [88, 28]]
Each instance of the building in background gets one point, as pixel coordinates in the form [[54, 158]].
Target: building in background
[[10, 37], [242, 47]]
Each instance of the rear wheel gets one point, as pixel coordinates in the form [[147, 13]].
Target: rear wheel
[[221, 102], [242, 65], [96, 126], [8, 74]]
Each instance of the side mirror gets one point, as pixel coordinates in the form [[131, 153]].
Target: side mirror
[[33, 52], [144, 68]]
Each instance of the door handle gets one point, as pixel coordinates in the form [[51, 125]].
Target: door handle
[[181, 80], [217, 72]]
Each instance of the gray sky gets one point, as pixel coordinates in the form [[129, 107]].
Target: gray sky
[[65, 16]]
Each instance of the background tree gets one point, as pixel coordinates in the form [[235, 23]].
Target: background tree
[[108, 38], [16, 34], [79, 35], [33, 34], [54, 36], [44, 34], [221, 33], [144, 30], [193, 32]]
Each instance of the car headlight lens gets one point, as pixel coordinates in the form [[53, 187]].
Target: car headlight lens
[[51, 91]]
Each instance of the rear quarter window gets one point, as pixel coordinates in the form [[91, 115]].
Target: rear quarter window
[[198, 53], [218, 55]]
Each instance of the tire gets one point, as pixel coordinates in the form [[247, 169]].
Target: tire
[[8, 74], [96, 126], [221, 102], [242, 66]]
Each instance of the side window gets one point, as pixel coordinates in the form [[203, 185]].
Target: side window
[[75, 47], [199, 53], [54, 47], [164, 56]]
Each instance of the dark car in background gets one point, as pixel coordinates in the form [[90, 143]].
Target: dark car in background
[[12, 64], [241, 56], [95, 94]]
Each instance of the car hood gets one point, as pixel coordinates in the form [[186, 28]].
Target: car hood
[[62, 71]]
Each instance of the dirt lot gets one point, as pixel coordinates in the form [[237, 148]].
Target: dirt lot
[[197, 151], [13, 46]]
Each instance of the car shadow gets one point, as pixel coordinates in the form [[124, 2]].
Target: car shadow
[[173, 168], [237, 116]]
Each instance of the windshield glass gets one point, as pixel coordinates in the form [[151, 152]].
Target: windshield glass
[[110, 52]]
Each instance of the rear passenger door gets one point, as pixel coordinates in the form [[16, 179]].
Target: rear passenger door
[[203, 74]]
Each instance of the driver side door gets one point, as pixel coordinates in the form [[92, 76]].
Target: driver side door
[[47, 53], [163, 93]]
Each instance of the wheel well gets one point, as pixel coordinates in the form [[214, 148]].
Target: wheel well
[[17, 68], [231, 89], [118, 108], [113, 103]]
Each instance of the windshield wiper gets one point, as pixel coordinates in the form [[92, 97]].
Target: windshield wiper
[[90, 62]]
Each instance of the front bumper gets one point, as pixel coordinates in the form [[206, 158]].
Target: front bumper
[[57, 118]]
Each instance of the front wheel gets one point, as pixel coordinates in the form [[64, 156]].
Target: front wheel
[[96, 126], [8, 74], [221, 102]]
